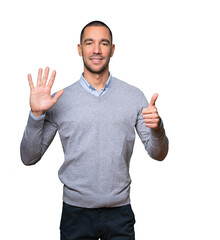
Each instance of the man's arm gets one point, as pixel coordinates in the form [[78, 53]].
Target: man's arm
[[151, 131], [40, 130]]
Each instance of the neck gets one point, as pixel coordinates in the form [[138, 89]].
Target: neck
[[97, 80]]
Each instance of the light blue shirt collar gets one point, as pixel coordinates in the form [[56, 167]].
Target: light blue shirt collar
[[86, 85]]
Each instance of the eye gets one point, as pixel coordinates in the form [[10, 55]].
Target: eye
[[88, 43], [105, 44]]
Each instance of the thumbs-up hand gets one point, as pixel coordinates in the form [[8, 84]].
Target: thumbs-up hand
[[150, 114]]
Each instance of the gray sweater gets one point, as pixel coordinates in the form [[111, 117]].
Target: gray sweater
[[97, 136]]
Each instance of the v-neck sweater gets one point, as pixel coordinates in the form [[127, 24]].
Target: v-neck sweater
[[97, 135]]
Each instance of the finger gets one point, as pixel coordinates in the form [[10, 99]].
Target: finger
[[152, 121], [46, 73], [30, 81], [57, 95], [149, 110], [151, 125], [151, 116], [39, 77], [153, 100], [52, 78]]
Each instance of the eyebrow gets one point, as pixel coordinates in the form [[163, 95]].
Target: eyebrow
[[102, 40]]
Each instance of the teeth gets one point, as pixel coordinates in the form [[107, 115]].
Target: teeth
[[96, 60]]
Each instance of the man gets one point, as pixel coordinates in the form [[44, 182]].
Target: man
[[96, 118]]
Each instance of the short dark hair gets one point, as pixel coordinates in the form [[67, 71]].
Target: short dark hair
[[95, 23]]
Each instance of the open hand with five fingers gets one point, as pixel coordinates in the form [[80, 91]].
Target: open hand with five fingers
[[150, 114], [40, 95]]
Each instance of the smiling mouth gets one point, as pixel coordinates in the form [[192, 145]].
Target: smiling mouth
[[96, 59]]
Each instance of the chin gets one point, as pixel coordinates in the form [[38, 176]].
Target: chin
[[96, 70]]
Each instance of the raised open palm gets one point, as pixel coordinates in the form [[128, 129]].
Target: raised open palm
[[40, 96]]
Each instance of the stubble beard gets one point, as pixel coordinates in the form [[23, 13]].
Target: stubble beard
[[99, 71]]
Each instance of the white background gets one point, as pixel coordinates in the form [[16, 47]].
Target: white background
[[170, 47]]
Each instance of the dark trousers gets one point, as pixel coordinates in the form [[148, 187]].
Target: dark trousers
[[97, 223]]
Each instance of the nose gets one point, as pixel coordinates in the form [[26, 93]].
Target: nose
[[97, 49]]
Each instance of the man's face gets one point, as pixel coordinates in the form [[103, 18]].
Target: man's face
[[96, 49]]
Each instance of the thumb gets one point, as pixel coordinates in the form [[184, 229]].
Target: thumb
[[153, 100], [57, 95]]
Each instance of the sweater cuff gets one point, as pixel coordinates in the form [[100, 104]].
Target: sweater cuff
[[37, 118], [159, 132], [35, 122]]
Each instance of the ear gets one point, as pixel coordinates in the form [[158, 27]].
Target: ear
[[79, 49], [113, 49]]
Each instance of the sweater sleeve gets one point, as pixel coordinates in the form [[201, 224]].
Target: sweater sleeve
[[155, 140], [38, 135]]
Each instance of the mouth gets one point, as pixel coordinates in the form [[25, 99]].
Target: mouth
[[96, 59]]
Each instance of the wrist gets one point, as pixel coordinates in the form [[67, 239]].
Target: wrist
[[37, 114]]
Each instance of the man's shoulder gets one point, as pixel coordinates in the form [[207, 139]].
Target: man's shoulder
[[70, 92], [124, 86], [71, 87], [130, 93]]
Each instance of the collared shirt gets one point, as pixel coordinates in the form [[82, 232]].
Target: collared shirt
[[86, 85]]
